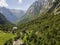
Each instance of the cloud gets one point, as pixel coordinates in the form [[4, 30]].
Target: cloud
[[3, 3], [20, 1]]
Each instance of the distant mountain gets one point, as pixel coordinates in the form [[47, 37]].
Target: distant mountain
[[39, 7], [6, 12], [12, 14], [4, 23], [17, 12]]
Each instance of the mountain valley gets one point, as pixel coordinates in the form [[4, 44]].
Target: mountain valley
[[39, 25]]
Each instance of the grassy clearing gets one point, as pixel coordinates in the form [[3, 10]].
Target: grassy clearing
[[5, 37]]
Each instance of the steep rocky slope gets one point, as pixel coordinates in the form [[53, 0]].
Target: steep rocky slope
[[39, 7]]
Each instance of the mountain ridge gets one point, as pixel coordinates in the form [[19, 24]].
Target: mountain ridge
[[12, 14], [6, 12], [38, 8]]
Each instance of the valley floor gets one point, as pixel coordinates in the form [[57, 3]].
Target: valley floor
[[5, 37]]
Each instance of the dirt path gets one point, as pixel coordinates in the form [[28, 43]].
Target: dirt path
[[18, 42]]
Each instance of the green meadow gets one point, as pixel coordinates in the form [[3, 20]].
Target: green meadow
[[5, 37]]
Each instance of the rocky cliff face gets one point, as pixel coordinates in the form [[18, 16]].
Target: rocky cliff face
[[54, 5], [39, 7]]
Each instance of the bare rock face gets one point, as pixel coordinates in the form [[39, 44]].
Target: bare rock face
[[57, 9], [39, 7], [54, 5]]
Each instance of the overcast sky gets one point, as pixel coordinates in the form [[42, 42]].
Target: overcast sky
[[16, 4]]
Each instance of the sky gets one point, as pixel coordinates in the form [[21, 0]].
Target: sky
[[16, 4]]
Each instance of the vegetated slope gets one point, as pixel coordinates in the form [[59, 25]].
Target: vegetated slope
[[45, 30], [5, 25], [2, 19]]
